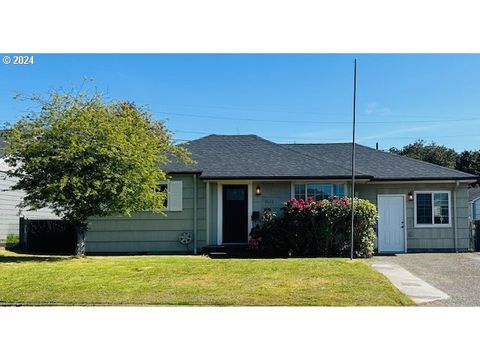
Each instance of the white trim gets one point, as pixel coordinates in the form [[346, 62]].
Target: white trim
[[207, 215], [219, 213], [220, 206], [474, 199], [250, 209], [432, 225], [405, 248], [455, 219]]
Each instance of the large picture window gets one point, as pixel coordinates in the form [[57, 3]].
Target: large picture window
[[432, 208], [318, 191]]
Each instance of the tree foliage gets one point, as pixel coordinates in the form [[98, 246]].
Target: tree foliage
[[83, 156], [432, 153], [467, 161]]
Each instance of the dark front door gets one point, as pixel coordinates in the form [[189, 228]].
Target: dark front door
[[235, 213]]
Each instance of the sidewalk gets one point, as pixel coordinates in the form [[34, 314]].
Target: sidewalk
[[418, 290]]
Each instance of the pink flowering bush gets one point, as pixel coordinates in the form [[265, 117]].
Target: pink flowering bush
[[316, 228]]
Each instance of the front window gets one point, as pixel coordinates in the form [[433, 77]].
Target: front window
[[432, 208], [318, 191], [163, 188]]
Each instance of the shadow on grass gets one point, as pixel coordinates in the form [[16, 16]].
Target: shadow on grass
[[22, 256]]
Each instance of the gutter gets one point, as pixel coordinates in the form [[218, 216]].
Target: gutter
[[195, 225], [283, 178], [425, 179]]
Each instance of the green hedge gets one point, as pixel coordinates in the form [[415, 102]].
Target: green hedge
[[316, 228]]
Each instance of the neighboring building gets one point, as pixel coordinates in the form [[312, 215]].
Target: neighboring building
[[423, 207], [9, 200], [474, 202]]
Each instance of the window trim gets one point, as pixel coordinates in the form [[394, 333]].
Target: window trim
[[433, 225], [306, 182]]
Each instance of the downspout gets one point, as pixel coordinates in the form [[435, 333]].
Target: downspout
[[207, 215], [457, 183], [195, 214]]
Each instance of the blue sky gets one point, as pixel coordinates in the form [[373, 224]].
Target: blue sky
[[284, 98]]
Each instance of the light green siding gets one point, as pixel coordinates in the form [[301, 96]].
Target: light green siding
[[433, 238], [151, 232], [274, 195]]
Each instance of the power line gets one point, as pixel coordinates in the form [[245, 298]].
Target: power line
[[330, 138], [215, 117], [276, 110]]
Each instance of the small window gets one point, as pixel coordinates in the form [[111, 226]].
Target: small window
[[235, 194], [164, 188], [174, 198], [432, 208], [299, 191], [318, 191]]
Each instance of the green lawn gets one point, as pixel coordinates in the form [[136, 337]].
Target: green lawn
[[191, 280]]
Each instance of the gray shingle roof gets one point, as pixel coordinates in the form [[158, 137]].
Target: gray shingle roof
[[252, 157], [379, 164], [473, 193]]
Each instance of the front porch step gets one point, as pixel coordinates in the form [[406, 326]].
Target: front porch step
[[226, 251]]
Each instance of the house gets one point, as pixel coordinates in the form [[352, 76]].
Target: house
[[9, 200], [423, 207], [474, 202]]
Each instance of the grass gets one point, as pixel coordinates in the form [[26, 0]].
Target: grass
[[191, 280], [11, 241]]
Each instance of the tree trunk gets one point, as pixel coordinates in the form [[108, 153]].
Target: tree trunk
[[81, 235]]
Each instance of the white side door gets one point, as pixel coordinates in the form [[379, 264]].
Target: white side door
[[391, 223]]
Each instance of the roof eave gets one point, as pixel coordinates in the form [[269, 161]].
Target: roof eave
[[329, 177], [461, 179]]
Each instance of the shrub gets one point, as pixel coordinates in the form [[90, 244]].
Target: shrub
[[316, 228], [11, 241]]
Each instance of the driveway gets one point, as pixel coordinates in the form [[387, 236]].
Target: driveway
[[458, 275]]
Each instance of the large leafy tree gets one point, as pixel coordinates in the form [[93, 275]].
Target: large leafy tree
[[469, 161], [432, 153], [84, 156]]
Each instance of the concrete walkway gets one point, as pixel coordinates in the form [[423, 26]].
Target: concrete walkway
[[418, 290]]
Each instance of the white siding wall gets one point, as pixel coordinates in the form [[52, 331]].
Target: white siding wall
[[9, 212]]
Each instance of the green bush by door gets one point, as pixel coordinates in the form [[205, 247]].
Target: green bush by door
[[316, 228]]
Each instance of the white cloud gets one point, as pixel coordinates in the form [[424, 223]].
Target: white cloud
[[397, 132], [374, 108]]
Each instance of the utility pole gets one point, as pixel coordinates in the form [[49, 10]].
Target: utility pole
[[353, 155]]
